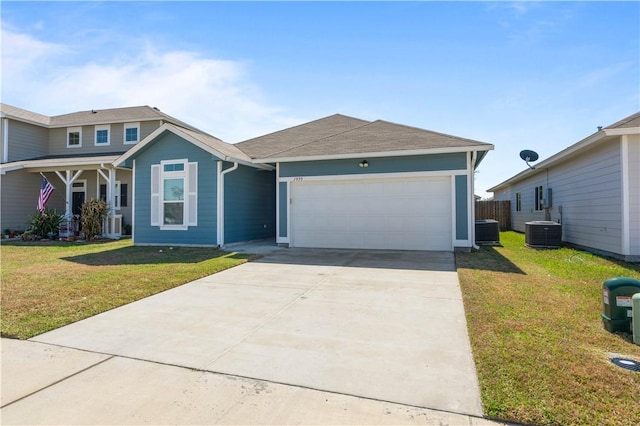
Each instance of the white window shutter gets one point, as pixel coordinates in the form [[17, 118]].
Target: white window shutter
[[192, 193], [155, 195]]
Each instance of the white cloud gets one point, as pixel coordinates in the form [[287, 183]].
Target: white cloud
[[601, 75], [215, 95]]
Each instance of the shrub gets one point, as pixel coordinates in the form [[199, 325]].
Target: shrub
[[92, 215], [45, 224]]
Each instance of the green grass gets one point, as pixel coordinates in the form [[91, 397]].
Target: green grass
[[541, 352], [46, 285]]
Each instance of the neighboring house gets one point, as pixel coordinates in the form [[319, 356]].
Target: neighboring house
[[592, 188], [75, 152], [337, 182]]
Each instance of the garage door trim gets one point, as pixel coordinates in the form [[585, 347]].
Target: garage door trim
[[446, 242]]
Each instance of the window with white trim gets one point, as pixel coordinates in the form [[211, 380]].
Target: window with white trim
[[131, 133], [518, 201], [74, 137], [120, 198], [102, 135], [539, 198], [174, 194]]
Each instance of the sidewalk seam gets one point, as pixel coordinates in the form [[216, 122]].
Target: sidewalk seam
[[58, 381]]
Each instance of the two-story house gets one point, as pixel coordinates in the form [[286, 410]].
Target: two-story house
[[75, 152]]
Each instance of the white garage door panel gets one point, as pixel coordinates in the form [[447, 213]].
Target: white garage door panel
[[401, 213]]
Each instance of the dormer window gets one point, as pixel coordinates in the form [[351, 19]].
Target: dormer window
[[74, 137], [102, 135]]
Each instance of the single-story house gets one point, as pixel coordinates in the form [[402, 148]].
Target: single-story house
[[343, 182], [592, 188], [337, 182]]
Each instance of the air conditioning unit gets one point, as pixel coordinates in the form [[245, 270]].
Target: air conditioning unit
[[487, 232], [543, 234]]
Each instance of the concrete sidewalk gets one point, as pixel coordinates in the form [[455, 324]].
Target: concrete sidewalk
[[47, 384]]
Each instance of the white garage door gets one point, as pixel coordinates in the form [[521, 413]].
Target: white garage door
[[400, 213]]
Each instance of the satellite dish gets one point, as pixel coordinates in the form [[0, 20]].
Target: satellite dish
[[528, 155]]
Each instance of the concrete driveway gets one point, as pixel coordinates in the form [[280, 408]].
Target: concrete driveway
[[387, 326]]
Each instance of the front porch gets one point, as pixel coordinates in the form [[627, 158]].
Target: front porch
[[76, 180]]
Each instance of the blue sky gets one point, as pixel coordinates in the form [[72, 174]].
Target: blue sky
[[535, 75]]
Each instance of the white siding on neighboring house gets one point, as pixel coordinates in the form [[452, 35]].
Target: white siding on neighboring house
[[634, 193], [589, 189], [586, 197], [527, 189]]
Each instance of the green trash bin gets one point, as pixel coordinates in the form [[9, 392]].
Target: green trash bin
[[616, 302]]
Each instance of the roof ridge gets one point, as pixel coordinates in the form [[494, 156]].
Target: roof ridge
[[299, 125], [324, 137]]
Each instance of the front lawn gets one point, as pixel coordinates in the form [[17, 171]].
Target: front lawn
[[541, 352], [46, 285]]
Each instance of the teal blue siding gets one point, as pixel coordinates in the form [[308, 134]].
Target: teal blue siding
[[250, 204], [284, 202], [419, 163], [171, 147], [462, 198]]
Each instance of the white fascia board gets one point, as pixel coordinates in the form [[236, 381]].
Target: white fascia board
[[4, 168], [622, 131], [57, 163], [376, 154], [24, 120], [549, 162]]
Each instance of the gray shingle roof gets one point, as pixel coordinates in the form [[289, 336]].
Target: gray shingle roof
[[630, 121], [218, 145], [283, 140], [25, 115], [100, 116], [340, 135]]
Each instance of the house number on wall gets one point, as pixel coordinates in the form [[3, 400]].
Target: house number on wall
[[298, 179]]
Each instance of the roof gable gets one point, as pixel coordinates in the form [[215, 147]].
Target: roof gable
[[208, 143]]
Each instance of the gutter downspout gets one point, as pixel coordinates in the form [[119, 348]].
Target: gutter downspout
[[220, 200], [472, 200]]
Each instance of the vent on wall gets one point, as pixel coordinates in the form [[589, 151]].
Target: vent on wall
[[487, 232], [543, 234]]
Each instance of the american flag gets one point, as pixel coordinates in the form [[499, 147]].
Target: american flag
[[45, 192]]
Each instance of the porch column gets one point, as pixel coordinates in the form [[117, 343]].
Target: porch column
[[111, 189], [68, 181]]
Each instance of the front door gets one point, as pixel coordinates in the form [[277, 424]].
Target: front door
[[79, 189], [78, 201]]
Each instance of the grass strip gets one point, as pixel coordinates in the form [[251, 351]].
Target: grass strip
[[541, 351], [46, 285]]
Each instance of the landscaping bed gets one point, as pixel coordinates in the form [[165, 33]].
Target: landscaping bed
[[541, 352]]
